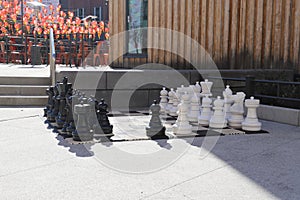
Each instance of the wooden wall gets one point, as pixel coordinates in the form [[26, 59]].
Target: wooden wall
[[238, 34]]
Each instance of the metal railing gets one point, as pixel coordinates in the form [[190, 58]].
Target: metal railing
[[270, 92], [77, 45]]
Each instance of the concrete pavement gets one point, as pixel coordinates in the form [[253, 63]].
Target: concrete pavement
[[38, 164]]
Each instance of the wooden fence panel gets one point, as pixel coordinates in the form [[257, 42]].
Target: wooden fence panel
[[237, 34]]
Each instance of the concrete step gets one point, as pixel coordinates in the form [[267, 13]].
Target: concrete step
[[26, 90], [16, 100], [7, 80]]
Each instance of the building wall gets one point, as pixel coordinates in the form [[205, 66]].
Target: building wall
[[88, 5], [238, 34]]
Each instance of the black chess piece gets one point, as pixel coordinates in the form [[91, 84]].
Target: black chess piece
[[63, 88], [69, 111], [93, 115], [82, 132], [56, 101], [72, 101], [50, 105], [83, 97], [156, 130], [103, 127]]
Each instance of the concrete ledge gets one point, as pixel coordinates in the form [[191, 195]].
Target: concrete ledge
[[279, 114]]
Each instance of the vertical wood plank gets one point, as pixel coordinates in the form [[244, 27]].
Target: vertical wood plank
[[285, 34], [168, 57], [121, 28], [217, 22], [195, 32], [276, 33], [176, 29], [188, 32], [296, 35], [241, 33], [125, 63], [156, 33], [267, 33], [225, 33], [209, 30], [111, 17], [131, 62], [150, 30], [162, 36], [233, 33], [114, 24], [259, 6], [249, 33], [201, 54], [181, 30]]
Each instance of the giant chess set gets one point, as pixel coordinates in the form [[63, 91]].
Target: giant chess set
[[181, 112]]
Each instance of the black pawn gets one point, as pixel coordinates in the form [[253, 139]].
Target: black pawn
[[105, 128], [156, 130], [69, 113], [56, 103], [50, 105]]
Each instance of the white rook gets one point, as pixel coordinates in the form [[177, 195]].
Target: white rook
[[251, 122]]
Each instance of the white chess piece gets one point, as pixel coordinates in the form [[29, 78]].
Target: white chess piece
[[180, 92], [170, 103], [174, 109], [227, 94], [251, 122], [206, 87], [218, 119], [197, 90], [206, 112], [191, 93], [237, 111], [163, 100], [194, 109], [182, 126]]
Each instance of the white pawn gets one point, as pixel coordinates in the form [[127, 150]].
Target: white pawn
[[251, 122], [218, 119], [170, 103], [163, 100], [182, 125], [180, 92], [174, 109], [206, 87], [237, 111], [191, 93], [227, 94], [194, 109], [206, 112], [197, 90]]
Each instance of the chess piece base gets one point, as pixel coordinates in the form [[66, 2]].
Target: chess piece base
[[251, 126], [104, 131], [182, 129], [203, 122], [82, 136], [156, 133], [218, 125]]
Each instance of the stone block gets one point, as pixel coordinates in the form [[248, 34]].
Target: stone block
[[121, 99], [154, 95], [279, 114], [146, 79], [84, 79]]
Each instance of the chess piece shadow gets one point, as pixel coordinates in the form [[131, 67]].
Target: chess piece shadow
[[80, 150], [164, 144]]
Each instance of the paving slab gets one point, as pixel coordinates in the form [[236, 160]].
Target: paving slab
[[15, 70], [39, 164]]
